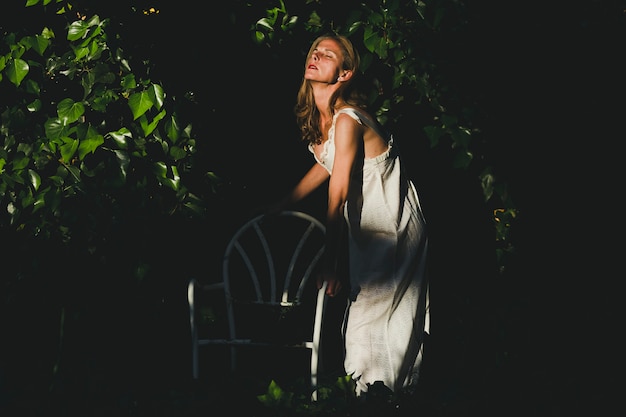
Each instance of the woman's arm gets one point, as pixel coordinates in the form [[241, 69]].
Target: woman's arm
[[348, 144], [309, 182]]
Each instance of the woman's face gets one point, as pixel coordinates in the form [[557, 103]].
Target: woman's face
[[324, 62]]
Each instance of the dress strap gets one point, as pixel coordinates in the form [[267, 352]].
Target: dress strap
[[362, 119]]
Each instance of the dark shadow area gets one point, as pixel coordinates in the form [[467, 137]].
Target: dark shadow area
[[537, 340]]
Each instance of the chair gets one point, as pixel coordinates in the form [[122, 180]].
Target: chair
[[267, 291]]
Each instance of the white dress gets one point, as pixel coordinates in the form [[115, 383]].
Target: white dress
[[388, 312]]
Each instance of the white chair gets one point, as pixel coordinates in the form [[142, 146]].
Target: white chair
[[265, 277]]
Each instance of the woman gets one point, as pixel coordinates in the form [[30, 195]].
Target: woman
[[368, 193]]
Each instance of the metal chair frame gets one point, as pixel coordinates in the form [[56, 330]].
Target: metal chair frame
[[286, 292]]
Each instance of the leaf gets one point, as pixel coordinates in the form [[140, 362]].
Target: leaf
[[90, 143], [172, 129], [47, 33], [40, 43], [160, 169], [70, 111], [370, 38], [40, 200], [27, 199], [34, 106], [157, 95], [54, 129], [149, 127], [273, 395], [124, 160], [16, 70], [80, 53], [140, 103], [77, 30], [177, 153], [80, 28], [382, 48], [33, 87], [265, 23], [20, 161], [128, 82], [35, 179], [121, 137], [170, 183], [68, 149]]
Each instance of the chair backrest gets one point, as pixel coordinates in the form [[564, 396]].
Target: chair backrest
[[268, 262], [269, 289]]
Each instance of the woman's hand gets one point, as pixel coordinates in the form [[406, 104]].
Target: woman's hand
[[334, 283]]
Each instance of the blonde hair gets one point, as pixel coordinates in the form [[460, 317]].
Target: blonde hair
[[307, 114]]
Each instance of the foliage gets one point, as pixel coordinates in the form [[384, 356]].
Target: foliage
[[86, 138], [395, 38], [332, 398], [338, 398], [93, 154]]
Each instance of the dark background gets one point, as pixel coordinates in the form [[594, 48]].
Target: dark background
[[539, 340]]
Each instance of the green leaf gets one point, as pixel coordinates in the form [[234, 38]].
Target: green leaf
[[90, 143], [47, 33], [370, 38], [38, 43], [33, 87], [68, 149], [160, 169], [128, 82], [177, 153], [121, 137], [70, 111], [101, 101], [79, 29], [140, 103], [34, 106], [149, 127], [382, 48], [172, 129], [124, 161], [80, 53], [170, 183], [27, 199], [40, 200], [16, 70], [461, 137], [157, 95], [74, 176], [314, 21], [265, 23], [259, 37], [35, 179], [20, 161], [487, 181], [55, 129]]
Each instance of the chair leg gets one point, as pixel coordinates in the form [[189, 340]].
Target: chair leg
[[194, 330], [317, 334]]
